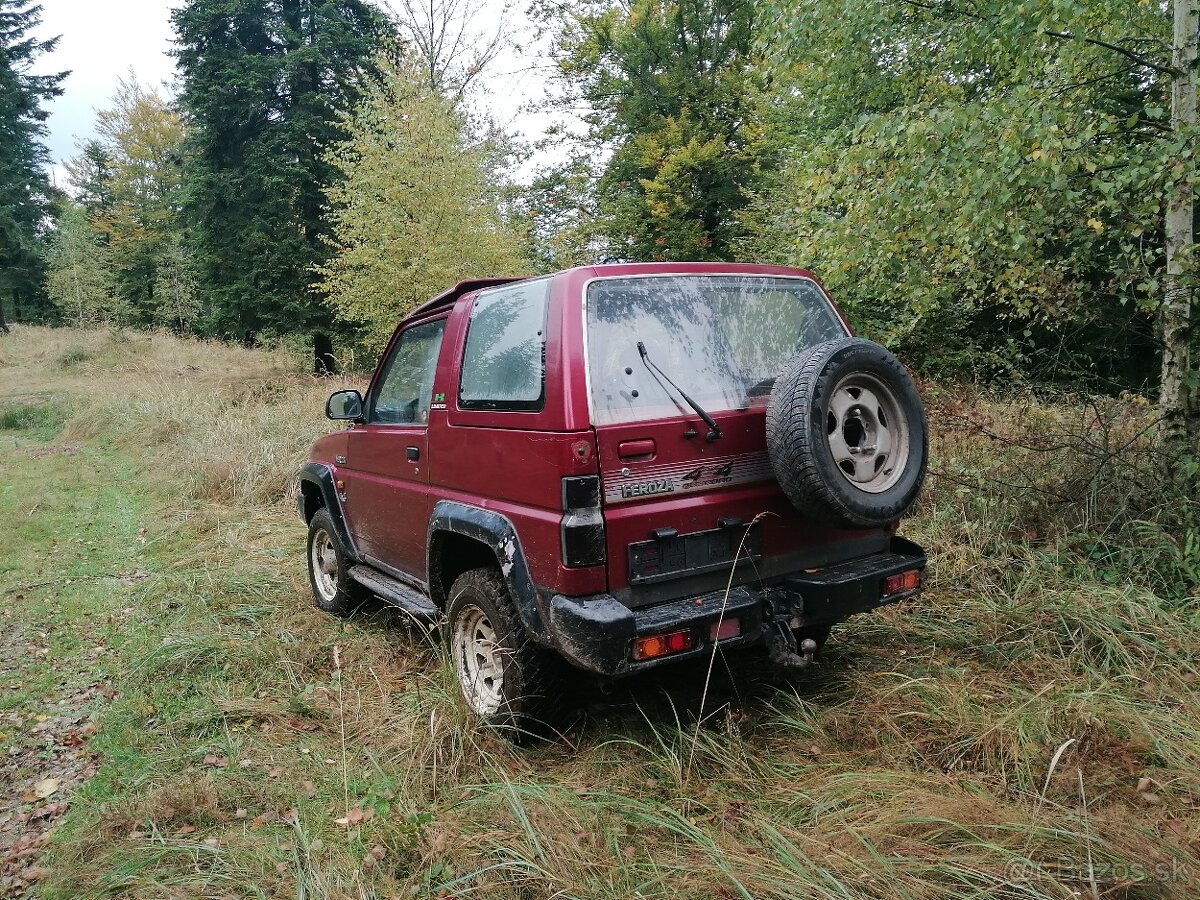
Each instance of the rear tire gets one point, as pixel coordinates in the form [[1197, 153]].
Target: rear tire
[[333, 590], [507, 680]]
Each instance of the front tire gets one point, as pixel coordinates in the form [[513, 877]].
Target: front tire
[[506, 679], [333, 590]]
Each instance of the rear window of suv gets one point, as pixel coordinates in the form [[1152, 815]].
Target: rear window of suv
[[721, 338]]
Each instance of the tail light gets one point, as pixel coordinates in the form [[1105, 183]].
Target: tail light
[[582, 522], [663, 644], [905, 581]]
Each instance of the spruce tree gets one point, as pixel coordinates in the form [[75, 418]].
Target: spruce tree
[[263, 84], [670, 91], [24, 187]]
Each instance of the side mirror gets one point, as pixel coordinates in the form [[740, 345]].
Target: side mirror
[[344, 405]]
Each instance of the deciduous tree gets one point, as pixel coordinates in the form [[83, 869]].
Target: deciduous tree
[[130, 180], [986, 178], [80, 282], [415, 208], [670, 93]]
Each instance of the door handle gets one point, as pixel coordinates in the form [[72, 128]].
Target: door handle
[[414, 453], [640, 449]]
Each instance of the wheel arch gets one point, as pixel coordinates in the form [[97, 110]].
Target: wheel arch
[[463, 537], [317, 491]]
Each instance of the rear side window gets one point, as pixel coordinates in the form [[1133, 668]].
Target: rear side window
[[504, 363], [404, 391]]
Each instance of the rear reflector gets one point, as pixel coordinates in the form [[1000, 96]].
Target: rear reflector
[[905, 581], [726, 628], [663, 644]]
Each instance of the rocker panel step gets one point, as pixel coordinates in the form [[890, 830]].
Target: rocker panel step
[[396, 592]]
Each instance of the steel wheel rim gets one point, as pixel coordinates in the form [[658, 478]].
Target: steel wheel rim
[[479, 660], [867, 434], [324, 563]]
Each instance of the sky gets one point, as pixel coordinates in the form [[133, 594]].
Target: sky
[[101, 42]]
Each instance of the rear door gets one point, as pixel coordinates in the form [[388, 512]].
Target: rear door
[[388, 501], [678, 506]]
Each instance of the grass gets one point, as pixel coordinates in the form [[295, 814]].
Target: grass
[[1030, 729]]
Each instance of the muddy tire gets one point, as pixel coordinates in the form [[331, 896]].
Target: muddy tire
[[507, 680], [846, 434], [328, 569]]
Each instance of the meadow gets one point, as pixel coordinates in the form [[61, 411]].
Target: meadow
[[179, 721]]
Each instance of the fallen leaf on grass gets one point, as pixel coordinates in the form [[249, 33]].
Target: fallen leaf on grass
[[46, 787], [374, 857], [49, 811], [187, 829], [355, 816], [30, 874], [308, 789], [218, 762]]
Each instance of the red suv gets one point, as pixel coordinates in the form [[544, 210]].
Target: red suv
[[619, 466]]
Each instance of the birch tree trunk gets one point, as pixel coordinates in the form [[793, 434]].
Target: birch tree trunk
[[1179, 397]]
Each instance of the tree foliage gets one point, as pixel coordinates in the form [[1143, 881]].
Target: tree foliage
[[130, 180], [670, 91], [416, 207], [176, 289], [80, 281], [263, 84], [444, 37], [24, 189], [982, 179]]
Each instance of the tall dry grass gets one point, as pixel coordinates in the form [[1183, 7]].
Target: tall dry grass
[[1029, 729]]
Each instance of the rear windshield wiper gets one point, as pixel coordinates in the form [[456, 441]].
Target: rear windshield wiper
[[714, 430]]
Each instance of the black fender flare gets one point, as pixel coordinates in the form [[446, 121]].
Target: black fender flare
[[497, 532], [321, 476]]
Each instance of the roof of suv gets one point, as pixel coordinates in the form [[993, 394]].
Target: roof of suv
[[449, 296]]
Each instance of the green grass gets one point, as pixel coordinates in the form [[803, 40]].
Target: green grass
[[41, 418], [915, 762]]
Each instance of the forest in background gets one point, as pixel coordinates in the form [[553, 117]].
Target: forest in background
[[1000, 191]]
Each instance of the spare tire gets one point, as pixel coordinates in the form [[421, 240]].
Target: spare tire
[[846, 434]]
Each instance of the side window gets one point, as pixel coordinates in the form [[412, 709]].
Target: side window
[[406, 387], [504, 363]]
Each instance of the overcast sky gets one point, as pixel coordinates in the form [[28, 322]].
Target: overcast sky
[[102, 41]]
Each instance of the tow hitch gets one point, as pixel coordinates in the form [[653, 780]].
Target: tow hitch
[[783, 650]]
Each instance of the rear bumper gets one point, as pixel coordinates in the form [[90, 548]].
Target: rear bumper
[[596, 633]]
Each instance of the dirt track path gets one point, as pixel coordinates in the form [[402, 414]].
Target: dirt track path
[[67, 570]]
